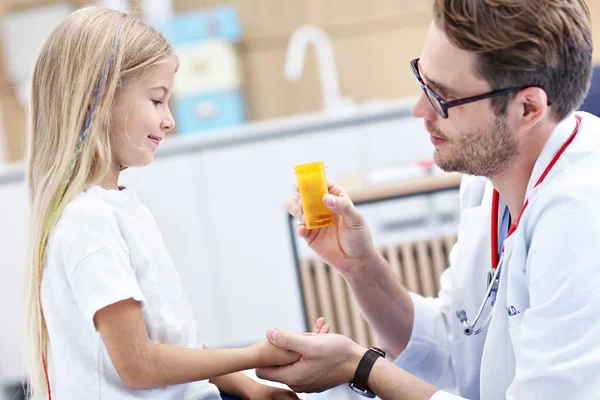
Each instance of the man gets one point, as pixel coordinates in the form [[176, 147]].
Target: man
[[501, 80]]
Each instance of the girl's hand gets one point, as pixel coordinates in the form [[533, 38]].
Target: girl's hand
[[264, 392]]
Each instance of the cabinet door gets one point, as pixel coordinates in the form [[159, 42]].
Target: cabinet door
[[248, 186], [221, 211], [172, 190], [14, 239]]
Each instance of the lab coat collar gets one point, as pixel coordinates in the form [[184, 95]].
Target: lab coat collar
[[560, 135]]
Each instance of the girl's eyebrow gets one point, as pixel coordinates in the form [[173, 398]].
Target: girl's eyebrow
[[163, 88]]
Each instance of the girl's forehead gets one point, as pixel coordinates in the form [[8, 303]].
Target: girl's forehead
[[160, 74], [162, 70]]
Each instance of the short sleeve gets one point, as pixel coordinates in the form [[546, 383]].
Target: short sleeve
[[95, 258], [103, 278]]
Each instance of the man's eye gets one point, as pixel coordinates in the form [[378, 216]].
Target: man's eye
[[156, 102]]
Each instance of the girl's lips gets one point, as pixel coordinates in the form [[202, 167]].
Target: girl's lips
[[155, 141]]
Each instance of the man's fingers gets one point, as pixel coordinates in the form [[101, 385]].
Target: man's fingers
[[289, 341], [302, 231], [335, 189], [319, 324], [275, 374], [293, 207], [343, 206]]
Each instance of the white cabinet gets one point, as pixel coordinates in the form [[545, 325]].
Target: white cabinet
[[245, 188], [14, 246], [172, 190]]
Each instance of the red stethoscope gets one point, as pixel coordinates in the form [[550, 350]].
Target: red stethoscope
[[493, 280]]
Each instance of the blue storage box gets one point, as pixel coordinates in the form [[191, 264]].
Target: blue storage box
[[196, 26], [209, 111]]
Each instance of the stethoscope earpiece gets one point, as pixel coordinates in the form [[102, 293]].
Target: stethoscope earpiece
[[492, 288], [462, 317]]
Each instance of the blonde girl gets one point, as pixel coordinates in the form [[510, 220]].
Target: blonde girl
[[107, 314]]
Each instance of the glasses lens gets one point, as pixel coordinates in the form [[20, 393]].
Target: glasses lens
[[437, 106]]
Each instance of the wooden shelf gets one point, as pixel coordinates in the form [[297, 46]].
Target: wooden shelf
[[360, 193]]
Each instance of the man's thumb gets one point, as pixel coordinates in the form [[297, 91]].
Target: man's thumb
[[344, 207], [286, 340]]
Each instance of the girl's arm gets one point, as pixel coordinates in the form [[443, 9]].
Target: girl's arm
[[143, 364], [237, 385], [244, 387]]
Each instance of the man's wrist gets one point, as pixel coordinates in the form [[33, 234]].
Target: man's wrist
[[355, 354], [363, 265]]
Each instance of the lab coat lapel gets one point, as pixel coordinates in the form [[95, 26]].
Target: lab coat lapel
[[498, 359], [555, 142]]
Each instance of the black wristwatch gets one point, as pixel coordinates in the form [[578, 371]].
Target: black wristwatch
[[361, 376]]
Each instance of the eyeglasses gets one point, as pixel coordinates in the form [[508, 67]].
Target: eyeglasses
[[441, 106]]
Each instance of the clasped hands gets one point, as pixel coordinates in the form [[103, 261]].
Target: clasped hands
[[317, 360]]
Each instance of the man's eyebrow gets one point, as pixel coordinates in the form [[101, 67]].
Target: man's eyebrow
[[443, 90]]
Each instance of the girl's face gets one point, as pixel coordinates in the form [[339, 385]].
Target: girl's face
[[141, 116]]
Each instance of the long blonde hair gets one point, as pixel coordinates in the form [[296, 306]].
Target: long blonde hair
[[80, 68]]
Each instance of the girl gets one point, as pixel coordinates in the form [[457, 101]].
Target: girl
[[107, 314]]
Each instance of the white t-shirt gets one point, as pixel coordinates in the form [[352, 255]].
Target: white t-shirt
[[105, 248]]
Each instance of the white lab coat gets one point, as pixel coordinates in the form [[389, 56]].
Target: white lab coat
[[549, 345]]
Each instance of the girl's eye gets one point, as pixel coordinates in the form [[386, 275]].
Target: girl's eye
[[156, 102]]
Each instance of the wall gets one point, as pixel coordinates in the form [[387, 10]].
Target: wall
[[373, 42]]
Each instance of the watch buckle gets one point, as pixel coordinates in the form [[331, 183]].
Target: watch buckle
[[362, 392]]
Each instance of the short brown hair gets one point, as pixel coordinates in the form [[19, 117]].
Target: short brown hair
[[520, 43]]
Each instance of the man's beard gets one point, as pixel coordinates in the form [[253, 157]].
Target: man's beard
[[478, 152]]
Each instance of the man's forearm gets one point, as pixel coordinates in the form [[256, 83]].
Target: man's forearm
[[384, 302], [390, 382]]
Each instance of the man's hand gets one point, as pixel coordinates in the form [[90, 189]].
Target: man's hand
[[345, 244], [327, 361]]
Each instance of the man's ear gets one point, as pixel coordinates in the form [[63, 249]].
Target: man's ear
[[533, 104]]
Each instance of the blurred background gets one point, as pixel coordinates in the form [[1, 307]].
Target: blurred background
[[263, 85]]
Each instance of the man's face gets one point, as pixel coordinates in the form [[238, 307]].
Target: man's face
[[472, 140]]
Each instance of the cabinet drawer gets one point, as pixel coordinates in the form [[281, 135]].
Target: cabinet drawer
[[195, 26], [204, 112], [208, 66]]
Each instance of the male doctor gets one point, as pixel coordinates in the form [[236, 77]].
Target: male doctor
[[501, 80]]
